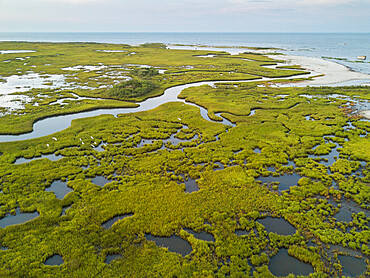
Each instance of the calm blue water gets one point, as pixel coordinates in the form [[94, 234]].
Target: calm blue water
[[336, 45]]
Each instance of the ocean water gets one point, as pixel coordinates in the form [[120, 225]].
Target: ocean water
[[343, 47]]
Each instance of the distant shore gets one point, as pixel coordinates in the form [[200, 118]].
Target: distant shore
[[332, 72]]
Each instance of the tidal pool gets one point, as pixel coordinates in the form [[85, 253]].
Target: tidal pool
[[277, 225], [201, 235], [240, 232], [100, 180], [191, 185], [55, 260], [331, 157], [51, 157], [19, 218], [112, 257], [282, 264], [173, 243], [352, 266], [59, 188], [108, 224], [285, 181]]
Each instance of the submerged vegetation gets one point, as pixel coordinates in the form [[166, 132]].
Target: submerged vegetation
[[121, 228]]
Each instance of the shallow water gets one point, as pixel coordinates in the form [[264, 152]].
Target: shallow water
[[257, 150], [282, 264], [55, 260], [19, 218], [100, 180], [241, 232], [352, 266], [51, 157], [108, 224], [112, 257], [285, 181], [59, 188], [173, 243], [54, 124], [277, 225], [201, 235], [191, 185], [64, 209]]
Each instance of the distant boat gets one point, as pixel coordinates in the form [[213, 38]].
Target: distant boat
[[361, 57]]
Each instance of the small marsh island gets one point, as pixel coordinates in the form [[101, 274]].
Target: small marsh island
[[166, 161]]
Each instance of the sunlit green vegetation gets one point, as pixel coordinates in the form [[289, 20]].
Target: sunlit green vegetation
[[148, 182], [132, 89]]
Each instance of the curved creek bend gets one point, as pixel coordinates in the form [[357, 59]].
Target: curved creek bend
[[52, 125], [174, 244]]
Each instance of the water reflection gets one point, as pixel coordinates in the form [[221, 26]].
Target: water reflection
[[108, 224], [173, 243], [51, 157], [352, 266], [277, 225], [112, 257], [100, 180], [200, 235], [282, 264], [55, 260], [19, 218], [59, 188], [285, 181]]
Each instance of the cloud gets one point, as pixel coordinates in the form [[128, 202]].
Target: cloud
[[71, 1], [325, 2]]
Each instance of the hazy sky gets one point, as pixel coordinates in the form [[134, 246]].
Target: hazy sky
[[185, 16]]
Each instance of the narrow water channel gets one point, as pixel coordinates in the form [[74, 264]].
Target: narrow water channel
[[54, 124]]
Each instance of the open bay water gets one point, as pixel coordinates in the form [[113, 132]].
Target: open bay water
[[343, 47]]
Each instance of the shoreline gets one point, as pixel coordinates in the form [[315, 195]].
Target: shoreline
[[333, 73], [365, 114]]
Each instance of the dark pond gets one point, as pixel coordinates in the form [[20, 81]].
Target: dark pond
[[347, 208], [64, 209], [201, 235], [109, 223], [191, 185], [286, 181], [282, 264], [352, 266], [344, 215], [112, 257], [100, 180], [19, 218], [51, 157], [277, 225], [59, 188], [241, 232], [55, 260], [173, 243], [4, 248]]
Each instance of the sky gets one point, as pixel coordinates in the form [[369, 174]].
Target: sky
[[184, 16]]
